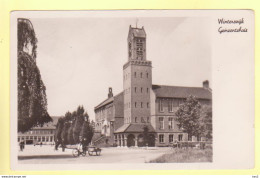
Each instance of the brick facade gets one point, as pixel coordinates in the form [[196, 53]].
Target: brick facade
[[143, 104]]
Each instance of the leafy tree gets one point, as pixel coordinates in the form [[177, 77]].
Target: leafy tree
[[59, 129], [32, 101], [189, 118], [65, 133], [78, 124], [74, 125], [70, 138], [207, 120], [87, 131]]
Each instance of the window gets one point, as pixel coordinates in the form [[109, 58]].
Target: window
[[147, 90], [142, 120], [18, 139], [141, 75], [141, 104], [135, 89], [170, 105], [135, 74], [147, 75], [135, 119], [180, 137], [160, 106], [135, 104], [189, 137], [47, 139], [147, 105], [148, 120], [161, 123], [161, 138], [171, 138], [141, 90], [171, 123], [43, 139], [51, 139]]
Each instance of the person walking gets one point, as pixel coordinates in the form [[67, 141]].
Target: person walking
[[21, 146]]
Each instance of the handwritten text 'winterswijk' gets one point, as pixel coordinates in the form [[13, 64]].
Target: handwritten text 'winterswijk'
[[226, 22]]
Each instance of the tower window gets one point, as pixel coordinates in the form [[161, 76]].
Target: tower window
[[135, 104], [141, 90], [147, 74], [142, 120], [147, 105], [147, 90], [135, 89], [135, 119], [135, 74], [141, 75], [141, 104], [148, 120]]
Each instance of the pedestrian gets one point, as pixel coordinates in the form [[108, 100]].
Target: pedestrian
[[21, 146], [79, 148], [41, 144], [175, 144]]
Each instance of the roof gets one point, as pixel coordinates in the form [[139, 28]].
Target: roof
[[49, 125], [108, 101], [181, 92], [137, 32], [134, 128]]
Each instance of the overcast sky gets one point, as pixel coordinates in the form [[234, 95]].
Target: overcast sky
[[79, 58]]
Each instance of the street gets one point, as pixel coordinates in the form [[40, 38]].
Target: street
[[46, 154]]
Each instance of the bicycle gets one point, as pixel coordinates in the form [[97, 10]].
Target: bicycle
[[76, 152]]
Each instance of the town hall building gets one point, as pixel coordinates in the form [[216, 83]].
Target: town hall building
[[120, 119]]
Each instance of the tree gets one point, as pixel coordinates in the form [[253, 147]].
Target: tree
[[32, 101], [189, 118], [73, 126], [206, 115], [59, 128], [87, 131], [78, 124]]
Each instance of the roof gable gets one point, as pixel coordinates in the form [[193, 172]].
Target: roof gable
[[181, 92]]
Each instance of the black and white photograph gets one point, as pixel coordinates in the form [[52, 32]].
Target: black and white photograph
[[124, 88]]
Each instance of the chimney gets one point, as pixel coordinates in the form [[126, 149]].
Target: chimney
[[206, 84], [110, 93]]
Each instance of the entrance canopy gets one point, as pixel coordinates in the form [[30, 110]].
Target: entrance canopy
[[134, 128]]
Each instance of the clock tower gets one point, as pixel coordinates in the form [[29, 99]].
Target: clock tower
[[137, 79]]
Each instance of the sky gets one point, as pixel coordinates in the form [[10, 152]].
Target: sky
[[80, 58]]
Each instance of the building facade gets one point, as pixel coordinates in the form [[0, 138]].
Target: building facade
[[141, 105], [37, 135]]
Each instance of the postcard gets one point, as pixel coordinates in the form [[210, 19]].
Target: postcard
[[132, 90]]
